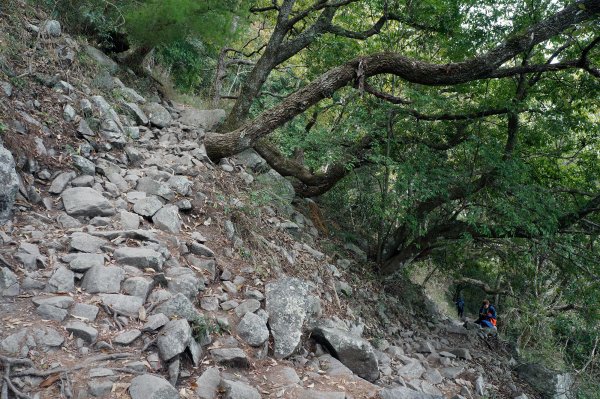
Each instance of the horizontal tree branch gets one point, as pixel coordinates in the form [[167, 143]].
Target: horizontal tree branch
[[411, 70], [480, 284]]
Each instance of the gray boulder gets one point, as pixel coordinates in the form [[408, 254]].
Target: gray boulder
[[126, 305], [84, 165], [231, 357], [238, 390], [49, 312], [253, 330], [252, 161], [9, 184], [207, 119], [62, 280], [167, 219], [279, 186], [86, 243], [60, 182], [134, 110], [154, 322], [139, 257], [101, 59], [127, 337], [138, 286], [354, 352], [102, 279], [9, 285], [405, 393], [83, 331], [83, 262], [550, 383], [154, 187], [179, 306], [84, 311], [51, 28], [208, 384], [41, 338], [158, 115], [85, 201], [147, 206], [174, 337], [289, 304], [149, 386]]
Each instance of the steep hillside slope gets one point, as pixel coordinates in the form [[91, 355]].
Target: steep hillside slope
[[133, 266]]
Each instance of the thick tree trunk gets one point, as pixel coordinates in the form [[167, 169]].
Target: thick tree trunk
[[249, 91]]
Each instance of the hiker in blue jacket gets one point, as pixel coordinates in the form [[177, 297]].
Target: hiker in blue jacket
[[460, 307], [487, 315]]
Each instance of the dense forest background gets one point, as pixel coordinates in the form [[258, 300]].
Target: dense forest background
[[456, 136]]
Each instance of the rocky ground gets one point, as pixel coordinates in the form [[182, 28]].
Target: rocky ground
[[133, 266]]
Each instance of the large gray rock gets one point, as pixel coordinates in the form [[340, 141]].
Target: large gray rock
[[280, 187], [127, 337], [354, 352], [9, 184], [249, 305], [138, 286], [550, 383], [154, 322], [59, 301], [135, 111], [405, 393], [85, 201], [411, 370], [231, 357], [289, 304], [183, 280], [126, 305], [208, 384], [158, 115], [102, 279], [83, 331], [147, 206], [101, 59], [173, 338], [167, 219], [149, 386], [253, 330], [154, 187], [21, 342], [179, 306], [206, 119], [86, 243], [9, 285], [238, 390], [84, 311], [62, 280], [132, 96], [60, 182], [49, 312], [251, 160], [83, 262], [139, 257], [51, 28]]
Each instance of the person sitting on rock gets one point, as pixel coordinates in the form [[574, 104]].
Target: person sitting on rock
[[487, 315]]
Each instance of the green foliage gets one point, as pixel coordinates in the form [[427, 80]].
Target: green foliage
[[189, 63], [202, 328], [164, 22]]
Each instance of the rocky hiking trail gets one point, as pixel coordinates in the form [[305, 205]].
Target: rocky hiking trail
[[135, 267]]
